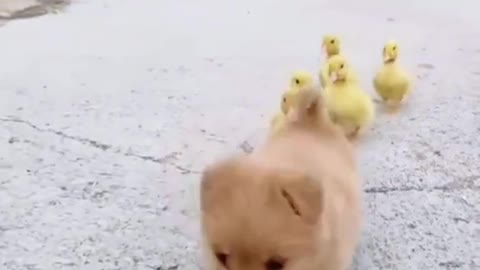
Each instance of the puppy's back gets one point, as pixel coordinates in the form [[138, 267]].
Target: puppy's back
[[296, 200]]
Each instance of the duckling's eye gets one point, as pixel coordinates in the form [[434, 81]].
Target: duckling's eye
[[222, 258], [332, 41], [341, 66], [297, 81], [274, 264], [394, 48], [284, 100]]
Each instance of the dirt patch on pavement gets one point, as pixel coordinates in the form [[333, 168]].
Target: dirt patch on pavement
[[20, 9]]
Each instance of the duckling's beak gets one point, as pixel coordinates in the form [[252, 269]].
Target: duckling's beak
[[334, 76], [388, 56]]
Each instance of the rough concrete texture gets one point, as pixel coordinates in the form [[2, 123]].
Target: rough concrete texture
[[110, 111]]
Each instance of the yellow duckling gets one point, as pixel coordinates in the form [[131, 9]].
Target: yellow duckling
[[392, 83], [300, 79], [348, 105], [331, 44]]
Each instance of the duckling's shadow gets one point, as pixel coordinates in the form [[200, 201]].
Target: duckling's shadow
[[383, 109]]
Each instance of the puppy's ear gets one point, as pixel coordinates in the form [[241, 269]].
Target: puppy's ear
[[309, 105], [212, 186], [302, 196], [218, 181], [310, 101]]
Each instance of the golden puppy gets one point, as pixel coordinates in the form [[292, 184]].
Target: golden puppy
[[293, 204]]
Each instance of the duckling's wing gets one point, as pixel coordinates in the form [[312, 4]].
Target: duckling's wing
[[363, 109], [381, 86], [400, 88]]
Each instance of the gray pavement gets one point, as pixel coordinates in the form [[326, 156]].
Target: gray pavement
[[110, 110]]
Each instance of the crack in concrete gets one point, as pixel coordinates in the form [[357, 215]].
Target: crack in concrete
[[451, 264], [167, 159], [86, 141], [16, 9], [463, 183], [160, 160]]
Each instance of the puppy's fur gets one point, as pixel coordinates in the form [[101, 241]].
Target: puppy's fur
[[293, 204]]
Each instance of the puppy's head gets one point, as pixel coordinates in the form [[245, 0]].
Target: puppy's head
[[308, 109], [257, 217]]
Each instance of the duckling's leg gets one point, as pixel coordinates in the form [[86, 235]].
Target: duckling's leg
[[405, 98], [393, 107]]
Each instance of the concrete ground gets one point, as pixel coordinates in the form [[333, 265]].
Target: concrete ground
[[110, 110]]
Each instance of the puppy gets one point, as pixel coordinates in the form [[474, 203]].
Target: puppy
[[293, 204]]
